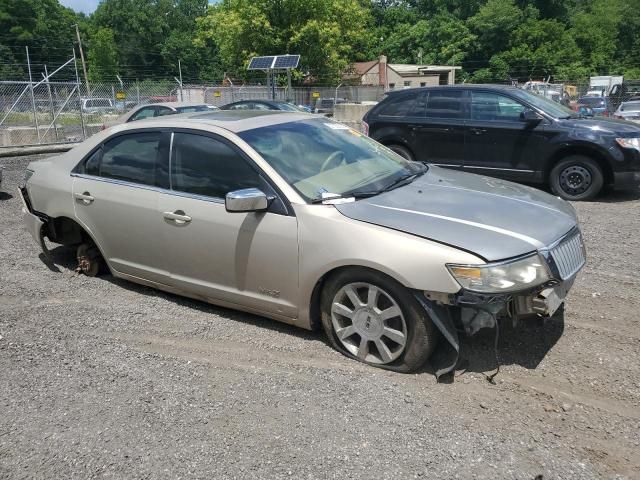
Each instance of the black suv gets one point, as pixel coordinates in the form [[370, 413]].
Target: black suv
[[510, 133]]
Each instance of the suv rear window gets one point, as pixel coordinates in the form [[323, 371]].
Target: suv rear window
[[398, 106]]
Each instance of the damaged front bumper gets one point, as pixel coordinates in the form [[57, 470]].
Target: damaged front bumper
[[469, 312], [33, 223]]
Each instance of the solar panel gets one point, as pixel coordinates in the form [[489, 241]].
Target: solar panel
[[260, 63], [286, 61]]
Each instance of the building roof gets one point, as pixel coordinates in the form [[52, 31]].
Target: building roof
[[407, 69], [402, 69], [363, 67]]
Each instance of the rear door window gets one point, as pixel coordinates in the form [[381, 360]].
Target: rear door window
[[445, 103], [400, 106], [146, 112], [131, 158]]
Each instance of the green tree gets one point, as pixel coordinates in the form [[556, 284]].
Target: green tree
[[328, 34], [102, 56]]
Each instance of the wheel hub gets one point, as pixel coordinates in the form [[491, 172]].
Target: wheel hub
[[368, 324], [575, 179]]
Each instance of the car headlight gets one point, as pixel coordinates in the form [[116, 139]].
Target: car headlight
[[629, 143], [502, 277]]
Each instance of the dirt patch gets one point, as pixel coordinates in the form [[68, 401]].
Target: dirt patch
[[103, 378]]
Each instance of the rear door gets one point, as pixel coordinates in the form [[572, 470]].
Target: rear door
[[498, 142], [393, 120], [248, 259], [438, 125], [115, 194]]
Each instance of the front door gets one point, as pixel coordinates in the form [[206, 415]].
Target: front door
[[438, 132], [115, 194], [248, 259], [498, 142]]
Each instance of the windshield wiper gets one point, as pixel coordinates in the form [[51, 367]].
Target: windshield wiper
[[346, 195], [402, 181]]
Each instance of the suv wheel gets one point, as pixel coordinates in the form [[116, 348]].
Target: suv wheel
[[402, 151], [576, 178], [372, 318]]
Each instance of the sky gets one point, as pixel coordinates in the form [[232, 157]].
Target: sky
[[86, 6]]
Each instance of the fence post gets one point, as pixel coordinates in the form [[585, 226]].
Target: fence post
[[53, 111], [33, 98], [137, 92], [75, 64]]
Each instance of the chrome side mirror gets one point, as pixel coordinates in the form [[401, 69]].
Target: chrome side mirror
[[246, 200]]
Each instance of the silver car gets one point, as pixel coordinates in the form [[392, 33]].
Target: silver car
[[628, 111], [303, 220], [150, 110]]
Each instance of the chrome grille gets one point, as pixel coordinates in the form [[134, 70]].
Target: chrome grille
[[569, 256]]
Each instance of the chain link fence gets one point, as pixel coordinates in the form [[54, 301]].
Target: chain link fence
[[46, 112], [39, 113]]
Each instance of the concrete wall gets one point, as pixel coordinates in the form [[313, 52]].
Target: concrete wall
[[351, 113]]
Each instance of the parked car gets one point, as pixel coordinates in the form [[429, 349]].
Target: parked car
[[599, 105], [157, 110], [326, 106], [303, 220], [628, 111], [97, 105], [262, 105], [585, 111], [509, 133]]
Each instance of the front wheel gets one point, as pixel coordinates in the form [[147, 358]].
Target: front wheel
[[402, 151], [372, 318], [576, 178]]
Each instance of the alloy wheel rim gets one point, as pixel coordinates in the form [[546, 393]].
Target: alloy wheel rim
[[369, 323], [575, 179]]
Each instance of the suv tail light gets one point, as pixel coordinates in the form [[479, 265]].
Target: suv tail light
[[365, 128]]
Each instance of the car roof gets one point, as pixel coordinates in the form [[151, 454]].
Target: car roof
[[466, 86], [233, 120], [174, 104], [258, 100]]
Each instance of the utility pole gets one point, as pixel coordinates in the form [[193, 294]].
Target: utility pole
[[84, 66], [180, 73]]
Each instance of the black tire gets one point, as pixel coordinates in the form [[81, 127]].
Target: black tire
[[576, 177], [90, 261], [402, 151], [421, 335]]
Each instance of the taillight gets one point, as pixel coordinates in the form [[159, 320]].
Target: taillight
[[365, 128]]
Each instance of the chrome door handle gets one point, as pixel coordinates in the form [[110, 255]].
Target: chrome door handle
[[178, 217], [85, 197], [478, 131]]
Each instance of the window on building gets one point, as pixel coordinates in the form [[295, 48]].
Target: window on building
[[407, 83]]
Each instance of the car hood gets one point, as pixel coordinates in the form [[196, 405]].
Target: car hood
[[601, 125], [491, 218]]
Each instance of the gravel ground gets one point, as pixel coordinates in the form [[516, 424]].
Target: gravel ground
[[103, 378]]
